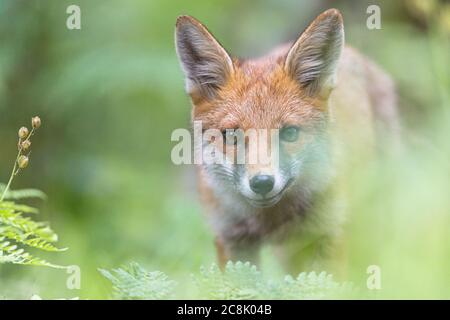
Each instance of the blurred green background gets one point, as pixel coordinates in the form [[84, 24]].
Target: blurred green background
[[110, 94]]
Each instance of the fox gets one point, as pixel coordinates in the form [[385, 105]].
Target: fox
[[331, 105]]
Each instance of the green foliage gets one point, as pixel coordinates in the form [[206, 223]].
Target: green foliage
[[19, 233], [133, 282], [238, 281], [22, 194], [243, 281]]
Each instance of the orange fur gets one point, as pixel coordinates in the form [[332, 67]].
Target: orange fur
[[263, 94]]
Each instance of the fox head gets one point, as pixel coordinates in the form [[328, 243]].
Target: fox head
[[286, 93]]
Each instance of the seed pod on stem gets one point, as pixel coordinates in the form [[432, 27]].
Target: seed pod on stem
[[23, 162], [23, 133], [36, 122], [26, 144]]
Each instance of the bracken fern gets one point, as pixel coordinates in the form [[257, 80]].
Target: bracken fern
[[243, 281], [18, 233], [238, 281], [134, 282]]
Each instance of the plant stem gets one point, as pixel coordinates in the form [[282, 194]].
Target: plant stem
[[16, 170], [13, 173]]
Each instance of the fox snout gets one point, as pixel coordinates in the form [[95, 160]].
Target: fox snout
[[264, 188]]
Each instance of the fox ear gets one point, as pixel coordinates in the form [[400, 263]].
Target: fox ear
[[205, 62], [313, 58]]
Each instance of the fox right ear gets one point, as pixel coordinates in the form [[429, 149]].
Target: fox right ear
[[205, 62]]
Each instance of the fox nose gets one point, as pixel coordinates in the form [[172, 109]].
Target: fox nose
[[262, 184]]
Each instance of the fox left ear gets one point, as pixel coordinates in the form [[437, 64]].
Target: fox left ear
[[313, 58]]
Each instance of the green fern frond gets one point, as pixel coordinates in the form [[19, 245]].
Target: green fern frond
[[11, 215], [134, 282], [243, 281], [28, 239], [12, 206], [314, 286], [18, 232], [22, 193], [12, 254], [238, 281]]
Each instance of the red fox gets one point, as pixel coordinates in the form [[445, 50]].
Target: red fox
[[327, 101]]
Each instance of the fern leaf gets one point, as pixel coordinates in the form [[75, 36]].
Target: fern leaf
[[243, 281], [133, 282], [18, 232], [22, 193], [12, 254], [28, 239]]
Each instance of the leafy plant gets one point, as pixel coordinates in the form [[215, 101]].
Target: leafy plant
[[133, 282], [22, 194], [243, 281], [18, 232], [238, 281]]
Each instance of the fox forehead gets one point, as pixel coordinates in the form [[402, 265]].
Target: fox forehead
[[259, 94]]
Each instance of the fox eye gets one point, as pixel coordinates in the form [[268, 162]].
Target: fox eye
[[289, 134], [229, 136]]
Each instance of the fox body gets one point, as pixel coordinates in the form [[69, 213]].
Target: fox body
[[328, 103]]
